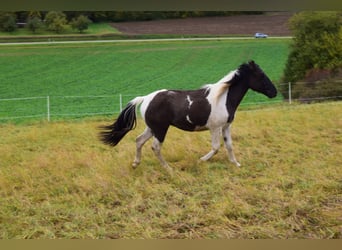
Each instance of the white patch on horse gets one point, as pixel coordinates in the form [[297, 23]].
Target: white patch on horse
[[189, 100], [188, 119], [217, 98], [228, 77], [219, 114], [147, 100]]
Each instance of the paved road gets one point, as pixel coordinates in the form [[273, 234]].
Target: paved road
[[143, 40]]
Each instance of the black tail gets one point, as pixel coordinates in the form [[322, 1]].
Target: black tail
[[126, 121]]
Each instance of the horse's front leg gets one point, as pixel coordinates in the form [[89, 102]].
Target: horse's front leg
[[215, 143], [229, 144]]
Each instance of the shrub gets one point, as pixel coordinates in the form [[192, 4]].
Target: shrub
[[317, 43], [34, 23], [316, 52], [80, 23], [318, 84], [8, 21], [56, 21]]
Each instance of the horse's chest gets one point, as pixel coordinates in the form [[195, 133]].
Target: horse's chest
[[218, 116]]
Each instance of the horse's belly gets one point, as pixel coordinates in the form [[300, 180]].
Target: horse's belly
[[200, 128], [190, 121], [190, 128]]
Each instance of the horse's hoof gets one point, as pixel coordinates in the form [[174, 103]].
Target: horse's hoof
[[236, 163], [135, 165], [170, 172], [168, 169]]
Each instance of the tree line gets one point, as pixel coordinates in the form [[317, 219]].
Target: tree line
[[56, 21], [79, 20]]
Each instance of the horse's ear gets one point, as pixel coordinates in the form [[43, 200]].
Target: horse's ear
[[251, 63]]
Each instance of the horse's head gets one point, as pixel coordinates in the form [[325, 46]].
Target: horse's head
[[259, 81]]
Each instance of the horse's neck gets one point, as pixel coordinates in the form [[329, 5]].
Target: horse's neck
[[235, 95]]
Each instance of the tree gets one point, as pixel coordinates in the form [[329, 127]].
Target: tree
[[8, 21], [34, 13], [316, 55], [80, 23], [34, 23], [317, 44], [56, 21]]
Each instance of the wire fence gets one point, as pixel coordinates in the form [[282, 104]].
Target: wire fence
[[57, 107], [66, 107]]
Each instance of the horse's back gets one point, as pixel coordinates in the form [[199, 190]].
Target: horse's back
[[186, 110]]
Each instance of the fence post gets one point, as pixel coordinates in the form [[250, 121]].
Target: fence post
[[290, 97], [120, 102], [48, 107]]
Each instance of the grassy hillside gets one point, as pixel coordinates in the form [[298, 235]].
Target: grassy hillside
[[58, 181], [124, 68]]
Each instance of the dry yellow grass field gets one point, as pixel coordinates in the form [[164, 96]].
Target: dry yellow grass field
[[58, 181]]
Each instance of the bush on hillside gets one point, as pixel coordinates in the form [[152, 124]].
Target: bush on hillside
[[8, 21], [80, 23], [318, 84], [316, 52], [34, 23], [317, 43], [56, 21]]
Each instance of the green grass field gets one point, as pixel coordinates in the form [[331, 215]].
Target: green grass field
[[122, 68], [58, 181]]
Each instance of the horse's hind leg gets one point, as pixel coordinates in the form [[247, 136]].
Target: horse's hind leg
[[156, 147], [229, 144], [140, 141]]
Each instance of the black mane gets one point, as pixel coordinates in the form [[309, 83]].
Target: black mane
[[242, 72], [236, 90]]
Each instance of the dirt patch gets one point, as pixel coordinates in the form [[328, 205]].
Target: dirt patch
[[272, 24]]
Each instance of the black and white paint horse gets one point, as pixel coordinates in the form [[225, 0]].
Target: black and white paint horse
[[210, 108]]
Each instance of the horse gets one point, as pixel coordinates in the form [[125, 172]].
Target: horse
[[211, 107]]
